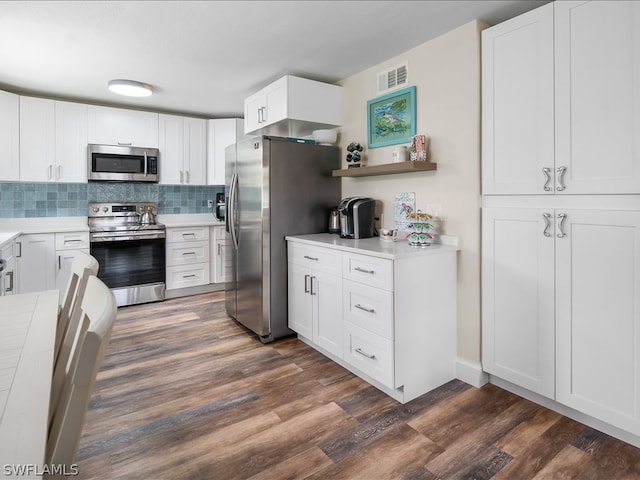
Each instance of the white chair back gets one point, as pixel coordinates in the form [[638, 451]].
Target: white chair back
[[98, 313]]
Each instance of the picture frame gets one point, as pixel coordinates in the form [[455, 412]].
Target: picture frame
[[391, 118]]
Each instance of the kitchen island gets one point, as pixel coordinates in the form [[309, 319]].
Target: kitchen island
[[384, 310]]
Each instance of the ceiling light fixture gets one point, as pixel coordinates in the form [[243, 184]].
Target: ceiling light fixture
[[130, 88]]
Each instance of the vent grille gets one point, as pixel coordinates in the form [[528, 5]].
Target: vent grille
[[397, 77]]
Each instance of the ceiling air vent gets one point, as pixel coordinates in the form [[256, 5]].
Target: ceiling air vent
[[397, 77]]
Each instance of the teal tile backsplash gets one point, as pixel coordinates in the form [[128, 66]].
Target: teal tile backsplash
[[20, 199]]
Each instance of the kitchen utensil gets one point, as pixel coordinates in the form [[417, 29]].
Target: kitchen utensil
[[334, 221]]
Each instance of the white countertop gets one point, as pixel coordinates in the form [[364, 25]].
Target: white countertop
[[44, 224], [189, 220], [6, 237], [376, 247]]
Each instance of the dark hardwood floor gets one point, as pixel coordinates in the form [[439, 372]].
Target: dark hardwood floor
[[186, 393]]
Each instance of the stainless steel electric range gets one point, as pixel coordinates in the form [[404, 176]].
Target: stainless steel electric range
[[130, 247]]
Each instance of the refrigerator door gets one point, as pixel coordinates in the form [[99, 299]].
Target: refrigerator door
[[251, 195], [231, 216]]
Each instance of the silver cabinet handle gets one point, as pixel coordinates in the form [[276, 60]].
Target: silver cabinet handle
[[189, 276], [360, 269], [219, 249], [189, 234], [124, 143], [547, 224], [10, 287], [311, 289], [19, 244], [365, 354], [561, 171], [315, 259], [547, 175], [189, 253], [59, 172], [186, 176], [181, 177], [50, 172], [368, 310], [562, 217], [306, 283]]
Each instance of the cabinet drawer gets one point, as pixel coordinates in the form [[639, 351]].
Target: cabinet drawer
[[374, 271], [318, 258], [186, 253], [187, 234], [72, 240], [187, 275], [368, 307], [369, 353]]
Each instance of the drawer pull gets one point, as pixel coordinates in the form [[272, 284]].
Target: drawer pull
[[315, 259], [365, 354], [189, 276], [78, 240], [368, 310], [189, 253], [191, 235], [359, 269]]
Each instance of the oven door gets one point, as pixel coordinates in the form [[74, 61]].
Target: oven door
[[127, 263]]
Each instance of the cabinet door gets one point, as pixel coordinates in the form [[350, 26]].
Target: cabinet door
[[517, 104], [9, 137], [598, 95], [220, 134], [219, 258], [326, 292], [171, 141], [276, 101], [254, 112], [119, 126], [37, 140], [300, 301], [598, 315], [71, 142], [518, 297], [36, 262], [195, 151]]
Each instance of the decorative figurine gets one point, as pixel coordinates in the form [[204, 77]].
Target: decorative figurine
[[353, 157]]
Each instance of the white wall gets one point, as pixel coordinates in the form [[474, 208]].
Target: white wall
[[446, 73]]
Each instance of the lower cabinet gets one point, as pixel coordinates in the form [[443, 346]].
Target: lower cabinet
[[561, 307], [392, 321], [36, 262], [187, 250], [220, 258]]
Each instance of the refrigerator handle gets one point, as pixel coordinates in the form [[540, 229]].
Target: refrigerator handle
[[231, 211]]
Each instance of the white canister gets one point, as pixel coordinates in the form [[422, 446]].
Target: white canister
[[399, 154]]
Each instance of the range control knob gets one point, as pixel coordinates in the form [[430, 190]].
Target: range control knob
[[105, 209], [95, 209]]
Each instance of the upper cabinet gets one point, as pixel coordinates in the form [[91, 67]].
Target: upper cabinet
[[293, 106], [560, 100], [221, 132], [183, 150], [53, 141], [119, 126], [9, 136]]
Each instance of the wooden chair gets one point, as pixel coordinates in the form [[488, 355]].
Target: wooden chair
[[97, 315], [83, 266]]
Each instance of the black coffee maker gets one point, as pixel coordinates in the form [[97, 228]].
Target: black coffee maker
[[220, 206], [357, 217]]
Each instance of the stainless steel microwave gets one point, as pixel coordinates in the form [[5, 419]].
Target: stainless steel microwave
[[122, 163]]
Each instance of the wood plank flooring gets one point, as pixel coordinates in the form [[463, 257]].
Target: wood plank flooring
[[187, 393]]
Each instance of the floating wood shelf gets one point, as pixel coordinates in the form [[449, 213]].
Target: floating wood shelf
[[386, 169]]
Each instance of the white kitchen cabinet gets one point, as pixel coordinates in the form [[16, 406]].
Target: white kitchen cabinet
[[36, 262], [221, 133], [120, 126], [561, 290], [395, 308], [183, 150], [518, 323], [559, 93], [315, 296], [8, 276], [598, 315], [53, 141], [9, 137], [293, 106], [187, 257], [68, 244], [220, 255]]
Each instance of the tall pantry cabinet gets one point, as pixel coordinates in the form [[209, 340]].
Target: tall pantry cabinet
[[561, 206]]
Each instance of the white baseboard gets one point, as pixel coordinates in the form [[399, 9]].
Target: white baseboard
[[471, 373]]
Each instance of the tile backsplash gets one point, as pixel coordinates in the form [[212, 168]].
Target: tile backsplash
[[20, 199]]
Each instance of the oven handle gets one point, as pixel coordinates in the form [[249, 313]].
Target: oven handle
[[145, 163], [110, 237]]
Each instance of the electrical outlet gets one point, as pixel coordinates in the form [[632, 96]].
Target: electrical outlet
[[434, 210], [209, 203]]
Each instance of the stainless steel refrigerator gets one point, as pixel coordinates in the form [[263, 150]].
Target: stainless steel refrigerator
[[274, 187]]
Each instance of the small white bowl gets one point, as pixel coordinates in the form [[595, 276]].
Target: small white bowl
[[325, 137]]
